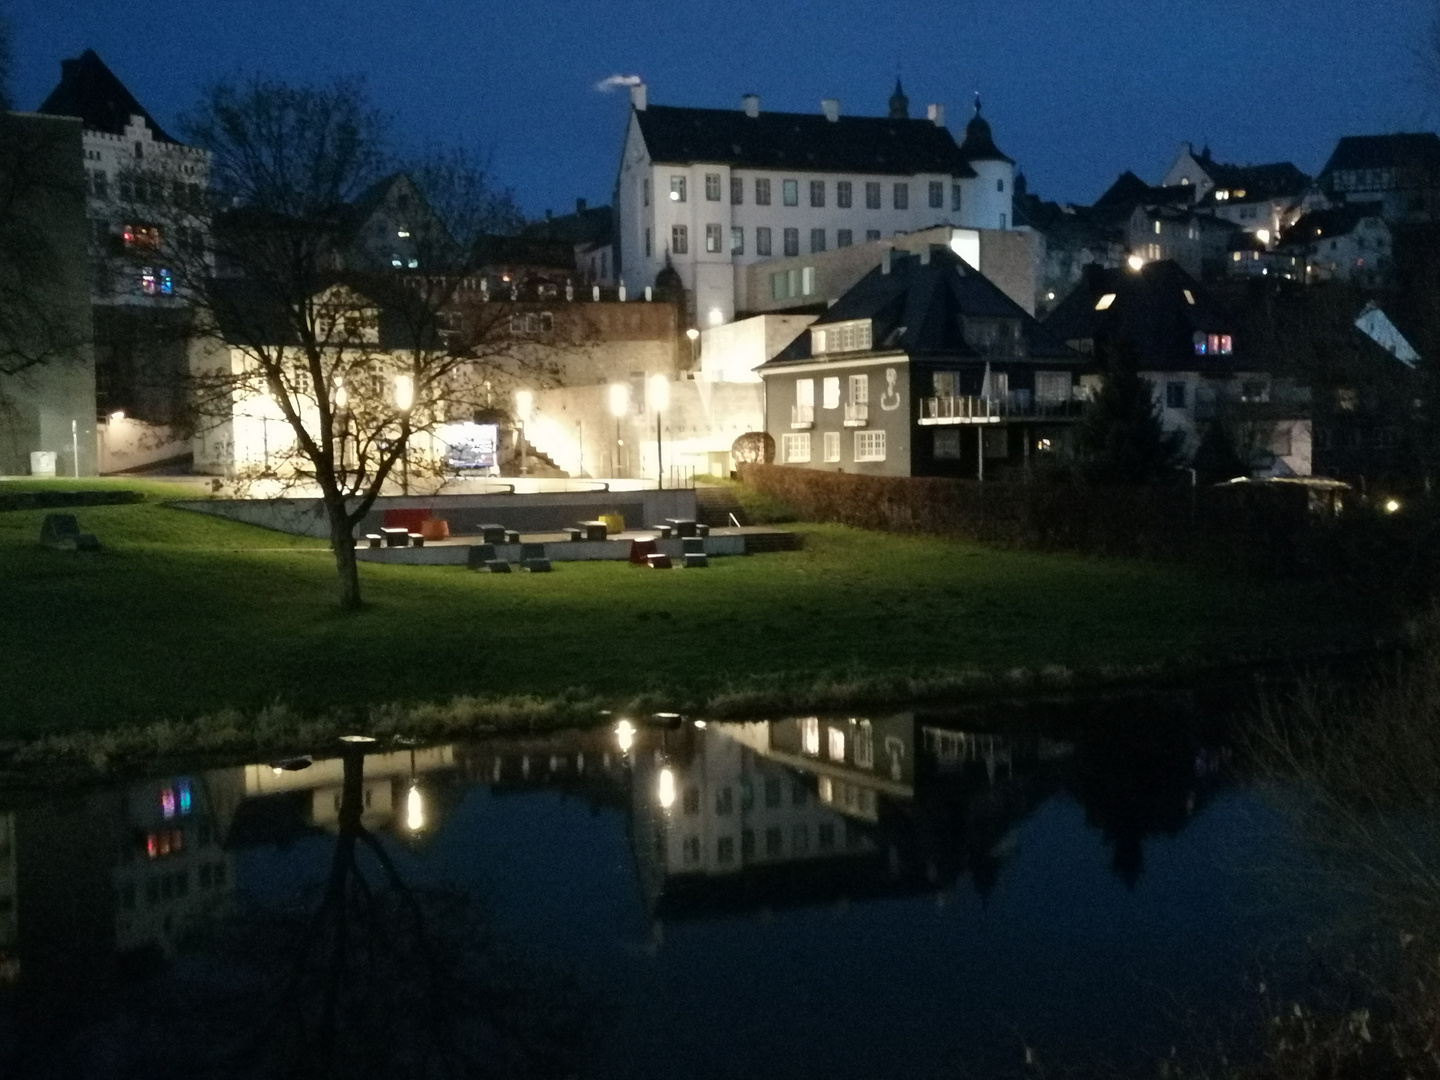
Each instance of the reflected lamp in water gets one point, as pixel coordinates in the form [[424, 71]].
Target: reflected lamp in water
[[665, 790], [625, 735]]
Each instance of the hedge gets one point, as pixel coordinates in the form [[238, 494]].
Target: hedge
[[51, 500]]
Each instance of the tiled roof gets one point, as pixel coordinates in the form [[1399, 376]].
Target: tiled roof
[[800, 141], [1320, 224], [90, 90], [1416, 150], [1129, 191], [1151, 311], [918, 308]]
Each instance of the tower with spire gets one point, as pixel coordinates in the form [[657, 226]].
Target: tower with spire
[[990, 196], [899, 103]]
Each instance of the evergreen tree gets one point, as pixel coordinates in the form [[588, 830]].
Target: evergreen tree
[[1121, 438]]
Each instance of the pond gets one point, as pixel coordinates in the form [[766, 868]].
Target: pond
[[916, 893]]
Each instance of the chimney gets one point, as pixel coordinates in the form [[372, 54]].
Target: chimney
[[579, 206], [638, 97], [885, 261], [831, 108], [751, 104], [935, 114]]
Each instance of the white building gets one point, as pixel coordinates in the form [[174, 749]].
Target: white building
[[1263, 200], [711, 191]]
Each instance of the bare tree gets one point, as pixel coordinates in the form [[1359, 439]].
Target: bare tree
[[333, 292]]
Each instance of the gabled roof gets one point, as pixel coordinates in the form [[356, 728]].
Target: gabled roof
[[1129, 191], [90, 90], [1326, 224], [1415, 150], [1279, 180], [1151, 312], [919, 308], [800, 141], [588, 225]]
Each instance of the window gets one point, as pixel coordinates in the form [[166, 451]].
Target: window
[[712, 239], [1000, 185], [837, 744], [1157, 227], [792, 242], [955, 190], [1002, 225], [645, 192], [853, 336], [100, 184], [1175, 395], [865, 741], [798, 795], [804, 402], [747, 843], [844, 238], [1103, 304], [762, 191], [872, 197], [648, 245], [859, 389], [772, 792], [844, 194], [790, 192], [869, 446], [825, 835], [156, 282], [817, 240], [144, 237], [725, 850], [1201, 343], [1052, 387], [724, 801], [692, 850], [691, 802], [680, 240], [902, 196], [947, 444], [762, 240], [810, 735], [737, 241], [807, 281], [817, 192], [830, 392], [774, 840], [937, 195], [677, 189], [530, 322], [872, 235], [832, 446], [737, 191], [712, 187], [795, 448]]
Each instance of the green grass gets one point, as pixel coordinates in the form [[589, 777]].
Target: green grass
[[183, 615]]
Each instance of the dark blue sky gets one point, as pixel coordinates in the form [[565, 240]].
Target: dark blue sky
[[1076, 91]]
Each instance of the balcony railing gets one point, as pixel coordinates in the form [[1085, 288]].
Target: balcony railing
[[857, 414], [995, 409], [802, 416]]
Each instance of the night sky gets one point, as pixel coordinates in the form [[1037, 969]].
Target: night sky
[[1077, 92]]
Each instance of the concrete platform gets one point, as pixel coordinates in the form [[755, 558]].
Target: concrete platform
[[558, 548]]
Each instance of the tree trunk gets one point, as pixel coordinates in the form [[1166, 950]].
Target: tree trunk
[[343, 545]]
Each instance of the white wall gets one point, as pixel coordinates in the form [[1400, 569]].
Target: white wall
[[732, 352], [123, 444]]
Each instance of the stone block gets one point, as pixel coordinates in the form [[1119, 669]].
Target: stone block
[[659, 561], [479, 556], [537, 566], [692, 545], [696, 560], [498, 566]]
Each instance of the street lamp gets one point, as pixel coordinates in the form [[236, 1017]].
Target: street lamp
[[619, 406], [660, 401], [404, 399], [694, 336]]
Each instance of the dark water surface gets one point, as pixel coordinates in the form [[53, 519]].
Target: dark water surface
[[908, 894]]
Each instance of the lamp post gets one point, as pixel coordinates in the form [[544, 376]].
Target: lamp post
[[619, 406], [694, 336], [524, 406], [404, 400], [660, 401]]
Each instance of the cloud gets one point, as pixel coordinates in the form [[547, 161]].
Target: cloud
[[606, 85]]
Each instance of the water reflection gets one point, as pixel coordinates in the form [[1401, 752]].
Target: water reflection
[[348, 968]]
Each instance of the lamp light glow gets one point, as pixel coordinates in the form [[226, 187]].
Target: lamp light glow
[[665, 790], [1135, 262], [342, 396], [619, 399], [1392, 506], [414, 809], [625, 735], [404, 392], [692, 333], [716, 316], [659, 393], [524, 405], [118, 414]]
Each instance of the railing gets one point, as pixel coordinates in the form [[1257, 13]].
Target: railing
[[802, 416], [995, 409], [857, 414]]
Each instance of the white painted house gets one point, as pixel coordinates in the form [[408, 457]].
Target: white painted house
[[711, 191]]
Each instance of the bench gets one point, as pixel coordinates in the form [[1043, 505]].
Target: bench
[[692, 545], [595, 530], [512, 536], [662, 532], [61, 532], [658, 561], [575, 534], [480, 556], [417, 539], [696, 560], [701, 529], [492, 534], [374, 540], [395, 536], [682, 526], [532, 551]]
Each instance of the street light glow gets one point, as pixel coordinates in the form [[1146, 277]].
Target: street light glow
[[619, 400], [404, 392], [1392, 506], [665, 791], [342, 396], [524, 405], [659, 393], [1135, 262], [692, 333], [625, 735], [414, 809]]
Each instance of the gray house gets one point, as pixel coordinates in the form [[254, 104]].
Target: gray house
[[924, 368]]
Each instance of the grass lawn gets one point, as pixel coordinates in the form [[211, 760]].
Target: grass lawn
[[183, 614]]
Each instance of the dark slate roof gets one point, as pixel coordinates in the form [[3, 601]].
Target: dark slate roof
[[1149, 312], [979, 143], [1321, 224], [1129, 191], [90, 90], [918, 307], [588, 225], [1417, 150], [800, 141], [1279, 180]]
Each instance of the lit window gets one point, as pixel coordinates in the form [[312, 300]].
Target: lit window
[[412, 263], [1201, 344], [790, 192], [1227, 345], [677, 189], [853, 336], [1157, 228], [795, 449], [712, 239], [807, 281], [1103, 304], [403, 234], [167, 803], [1189, 297], [830, 392], [837, 744], [870, 446], [865, 739], [810, 731]]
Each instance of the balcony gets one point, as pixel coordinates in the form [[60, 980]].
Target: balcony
[[802, 416], [857, 414], [995, 409]]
